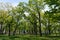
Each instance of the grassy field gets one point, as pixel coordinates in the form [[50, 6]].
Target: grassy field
[[27, 37]]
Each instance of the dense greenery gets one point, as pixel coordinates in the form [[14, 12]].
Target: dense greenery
[[30, 18]]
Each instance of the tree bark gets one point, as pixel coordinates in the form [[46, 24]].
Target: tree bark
[[1, 29], [40, 31], [15, 30], [49, 26], [35, 26], [9, 29]]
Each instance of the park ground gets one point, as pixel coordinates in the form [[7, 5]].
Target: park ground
[[28, 37]]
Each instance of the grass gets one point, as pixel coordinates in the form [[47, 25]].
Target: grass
[[27, 37]]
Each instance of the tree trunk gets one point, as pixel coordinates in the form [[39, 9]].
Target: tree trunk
[[49, 26], [1, 29], [9, 29], [35, 27], [19, 31], [15, 30], [16, 26], [40, 31]]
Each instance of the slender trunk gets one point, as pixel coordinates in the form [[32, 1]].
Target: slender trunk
[[24, 31], [49, 26], [15, 30], [40, 31], [35, 27], [16, 26], [9, 29], [35, 30], [19, 31], [1, 29], [1, 26], [9, 25], [40, 25]]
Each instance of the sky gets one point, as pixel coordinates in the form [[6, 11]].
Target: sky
[[13, 2]]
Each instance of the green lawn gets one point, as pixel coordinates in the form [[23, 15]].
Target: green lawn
[[27, 37]]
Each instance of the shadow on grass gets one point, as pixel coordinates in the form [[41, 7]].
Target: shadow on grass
[[21, 37]]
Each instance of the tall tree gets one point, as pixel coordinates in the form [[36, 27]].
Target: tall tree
[[35, 6], [54, 9]]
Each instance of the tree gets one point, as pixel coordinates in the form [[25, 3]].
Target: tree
[[18, 13], [54, 9], [35, 6]]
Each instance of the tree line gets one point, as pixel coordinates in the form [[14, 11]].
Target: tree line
[[30, 18]]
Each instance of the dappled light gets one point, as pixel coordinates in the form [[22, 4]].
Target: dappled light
[[29, 19]]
